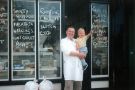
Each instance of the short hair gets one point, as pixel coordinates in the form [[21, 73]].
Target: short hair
[[81, 28], [70, 27]]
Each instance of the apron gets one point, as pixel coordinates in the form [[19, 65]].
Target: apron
[[72, 64]]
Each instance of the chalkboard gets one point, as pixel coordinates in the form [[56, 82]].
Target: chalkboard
[[100, 40], [49, 24], [49, 38], [23, 38], [3, 26], [23, 26], [4, 33]]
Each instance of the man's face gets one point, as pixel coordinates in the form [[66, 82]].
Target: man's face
[[70, 33]]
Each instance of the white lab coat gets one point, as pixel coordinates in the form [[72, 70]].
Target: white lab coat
[[72, 64]]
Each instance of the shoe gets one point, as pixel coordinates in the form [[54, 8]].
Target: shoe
[[85, 67]]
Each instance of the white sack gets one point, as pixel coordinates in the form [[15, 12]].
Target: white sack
[[31, 85], [46, 85]]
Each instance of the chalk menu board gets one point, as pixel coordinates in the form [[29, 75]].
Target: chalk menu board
[[23, 39], [99, 40], [4, 31], [49, 38], [3, 26], [49, 24], [23, 26]]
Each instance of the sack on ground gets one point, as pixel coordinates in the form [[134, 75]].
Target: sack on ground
[[46, 85], [31, 85]]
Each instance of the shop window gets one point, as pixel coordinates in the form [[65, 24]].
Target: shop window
[[35, 33], [4, 33], [99, 40]]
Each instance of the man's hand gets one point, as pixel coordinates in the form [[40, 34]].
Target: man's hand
[[81, 55]]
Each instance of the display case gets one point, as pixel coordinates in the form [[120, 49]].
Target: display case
[[49, 39], [100, 40], [4, 35], [23, 39]]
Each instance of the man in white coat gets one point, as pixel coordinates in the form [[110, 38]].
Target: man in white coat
[[73, 72]]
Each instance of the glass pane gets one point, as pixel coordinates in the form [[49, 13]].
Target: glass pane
[[4, 61], [23, 39], [49, 39], [100, 40]]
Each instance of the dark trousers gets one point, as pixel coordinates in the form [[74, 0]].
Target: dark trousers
[[73, 85]]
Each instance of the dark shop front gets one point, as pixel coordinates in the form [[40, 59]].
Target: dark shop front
[[31, 30]]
